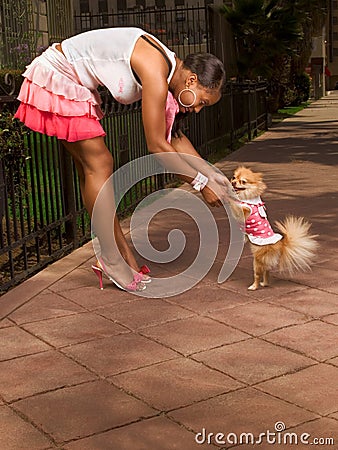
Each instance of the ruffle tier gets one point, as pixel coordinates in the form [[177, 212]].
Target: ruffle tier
[[53, 72], [70, 128], [44, 100], [54, 102]]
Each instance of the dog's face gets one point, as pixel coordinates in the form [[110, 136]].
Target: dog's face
[[247, 183]]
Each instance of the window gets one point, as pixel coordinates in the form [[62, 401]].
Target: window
[[103, 13], [103, 6], [180, 15], [121, 5], [179, 2], [160, 3], [85, 21], [84, 6], [122, 20]]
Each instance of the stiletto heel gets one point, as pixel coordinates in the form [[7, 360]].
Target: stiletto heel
[[144, 270], [99, 274], [135, 285]]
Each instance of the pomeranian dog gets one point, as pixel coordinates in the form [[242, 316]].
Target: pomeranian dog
[[290, 250]]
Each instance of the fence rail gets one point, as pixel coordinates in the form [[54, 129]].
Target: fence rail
[[183, 29], [42, 217]]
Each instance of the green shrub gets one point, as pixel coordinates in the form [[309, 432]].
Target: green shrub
[[289, 97], [12, 146], [296, 92], [302, 89]]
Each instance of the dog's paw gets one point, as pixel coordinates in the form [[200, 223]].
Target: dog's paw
[[253, 287], [264, 284]]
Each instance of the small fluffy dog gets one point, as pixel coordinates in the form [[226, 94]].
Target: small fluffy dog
[[290, 250]]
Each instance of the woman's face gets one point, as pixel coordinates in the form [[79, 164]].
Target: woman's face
[[194, 97]]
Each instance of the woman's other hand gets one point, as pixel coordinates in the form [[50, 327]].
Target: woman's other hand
[[218, 190]]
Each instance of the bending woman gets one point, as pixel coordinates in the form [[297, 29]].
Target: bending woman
[[59, 98]]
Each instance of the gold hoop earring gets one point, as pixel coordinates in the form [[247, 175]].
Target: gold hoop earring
[[180, 101]]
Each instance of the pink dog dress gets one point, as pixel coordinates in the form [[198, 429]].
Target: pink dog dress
[[257, 226]]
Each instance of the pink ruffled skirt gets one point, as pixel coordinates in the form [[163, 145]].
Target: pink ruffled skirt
[[54, 102]]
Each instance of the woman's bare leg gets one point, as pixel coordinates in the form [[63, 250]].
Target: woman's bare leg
[[94, 164], [123, 246]]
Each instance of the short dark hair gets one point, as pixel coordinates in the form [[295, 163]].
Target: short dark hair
[[208, 68]]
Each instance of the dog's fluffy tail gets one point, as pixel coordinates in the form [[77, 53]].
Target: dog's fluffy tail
[[298, 246]]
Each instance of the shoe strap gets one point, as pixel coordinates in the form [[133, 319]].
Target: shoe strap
[[138, 277], [134, 284]]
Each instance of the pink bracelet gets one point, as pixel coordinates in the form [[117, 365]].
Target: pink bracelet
[[199, 182]]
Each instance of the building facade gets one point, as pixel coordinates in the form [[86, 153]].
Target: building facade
[[331, 45], [114, 6], [183, 25], [29, 26]]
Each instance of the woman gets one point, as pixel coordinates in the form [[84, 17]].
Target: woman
[[59, 98]]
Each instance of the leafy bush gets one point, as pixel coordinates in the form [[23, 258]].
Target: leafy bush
[[297, 92], [302, 89], [288, 97], [12, 147]]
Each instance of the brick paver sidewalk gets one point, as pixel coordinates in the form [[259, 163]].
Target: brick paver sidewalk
[[87, 369]]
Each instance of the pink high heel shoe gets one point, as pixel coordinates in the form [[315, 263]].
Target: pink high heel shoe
[[135, 285]]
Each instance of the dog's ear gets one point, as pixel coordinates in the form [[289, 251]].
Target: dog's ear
[[262, 186]]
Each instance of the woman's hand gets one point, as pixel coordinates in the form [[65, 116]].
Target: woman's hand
[[223, 181], [211, 197], [218, 190]]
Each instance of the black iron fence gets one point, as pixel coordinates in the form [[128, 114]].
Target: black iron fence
[[183, 29], [42, 217]]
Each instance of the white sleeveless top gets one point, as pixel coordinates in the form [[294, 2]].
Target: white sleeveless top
[[102, 57]]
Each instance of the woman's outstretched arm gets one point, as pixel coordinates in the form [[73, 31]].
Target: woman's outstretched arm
[[218, 182], [153, 71]]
